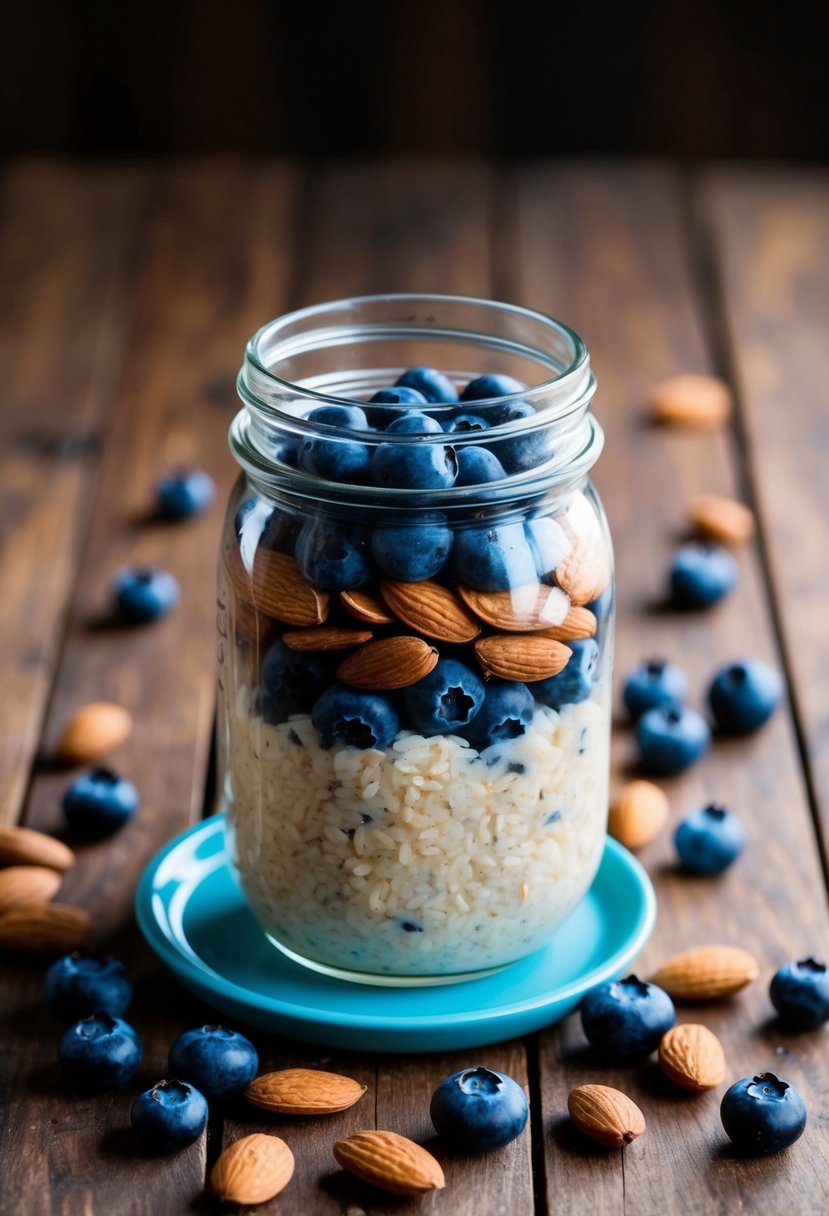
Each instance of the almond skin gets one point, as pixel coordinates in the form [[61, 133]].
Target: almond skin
[[27, 885], [706, 973], [638, 815], [303, 1091], [325, 637], [367, 607], [276, 588], [691, 399], [92, 732], [389, 663], [722, 519], [27, 847], [585, 572], [521, 657], [253, 1169], [579, 623], [605, 1115], [430, 609], [44, 928], [390, 1162], [521, 610], [692, 1057]]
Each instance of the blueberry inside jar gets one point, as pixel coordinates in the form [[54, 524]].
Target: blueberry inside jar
[[415, 636]]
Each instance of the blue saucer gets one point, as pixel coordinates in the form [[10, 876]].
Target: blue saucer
[[193, 914]]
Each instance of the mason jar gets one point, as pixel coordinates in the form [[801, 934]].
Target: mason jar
[[416, 634]]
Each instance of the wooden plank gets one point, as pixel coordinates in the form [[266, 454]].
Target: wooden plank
[[603, 248], [215, 262], [66, 253], [771, 240]]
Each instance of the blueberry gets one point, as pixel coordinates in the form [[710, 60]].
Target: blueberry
[[505, 714], [381, 418], [411, 553], [99, 1052], [671, 739], [414, 465], [99, 802], [763, 1114], [82, 983], [744, 695], [355, 719], [575, 682], [483, 388], [709, 840], [625, 1019], [169, 1116], [701, 574], [493, 559], [549, 543], [333, 557], [184, 494], [478, 466], [280, 532], [445, 701], [218, 1061], [292, 681], [336, 459], [652, 684], [800, 994], [529, 447], [465, 424], [435, 387], [144, 594], [477, 1109]]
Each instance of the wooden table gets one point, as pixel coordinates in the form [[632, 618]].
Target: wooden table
[[128, 293]]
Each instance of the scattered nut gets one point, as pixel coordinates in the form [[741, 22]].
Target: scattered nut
[[692, 399]]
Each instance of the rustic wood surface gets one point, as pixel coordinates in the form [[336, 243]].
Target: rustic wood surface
[[128, 295]]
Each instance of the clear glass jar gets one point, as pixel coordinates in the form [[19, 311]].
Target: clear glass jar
[[415, 638]]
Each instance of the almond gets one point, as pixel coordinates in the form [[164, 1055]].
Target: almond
[[44, 928], [585, 572], [692, 1057], [367, 607], [27, 885], [253, 1169], [303, 1091], [605, 1115], [391, 1162], [691, 399], [521, 610], [389, 663], [638, 815], [276, 588], [92, 731], [521, 657], [579, 623], [325, 637], [27, 847], [722, 519], [430, 609], [706, 973]]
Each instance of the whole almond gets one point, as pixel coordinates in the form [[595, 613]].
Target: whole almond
[[706, 973], [28, 847], [579, 623], [521, 610], [27, 885], [722, 519], [44, 928], [325, 637], [691, 399], [92, 732], [638, 815], [303, 1091], [390, 1161], [605, 1115], [430, 609], [275, 587], [389, 663], [253, 1169], [367, 607], [692, 1057], [522, 657]]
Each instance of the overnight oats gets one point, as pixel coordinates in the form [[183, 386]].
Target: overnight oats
[[415, 618]]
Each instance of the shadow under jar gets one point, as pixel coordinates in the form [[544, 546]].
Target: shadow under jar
[[415, 618]]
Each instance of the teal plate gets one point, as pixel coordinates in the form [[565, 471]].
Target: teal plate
[[193, 914]]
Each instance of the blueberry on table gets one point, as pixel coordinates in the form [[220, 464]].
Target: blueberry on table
[[292, 680], [744, 695], [466, 424], [505, 714], [624, 1020], [701, 574], [763, 1114], [143, 593], [445, 701], [184, 494], [478, 466], [218, 1061], [99, 1052], [654, 683], [169, 1116], [82, 983], [381, 418], [477, 1109], [484, 388], [356, 719], [333, 557], [336, 458], [709, 840], [671, 738], [414, 465], [575, 681], [435, 387], [800, 994], [493, 559], [413, 552], [99, 802]]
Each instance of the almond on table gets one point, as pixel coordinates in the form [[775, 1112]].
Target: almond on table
[[726, 520], [26, 846], [706, 973], [638, 814], [27, 885], [606, 1115], [391, 1162], [253, 1169], [691, 1056], [92, 732], [303, 1091], [692, 399]]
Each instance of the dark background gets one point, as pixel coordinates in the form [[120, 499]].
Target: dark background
[[664, 77]]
